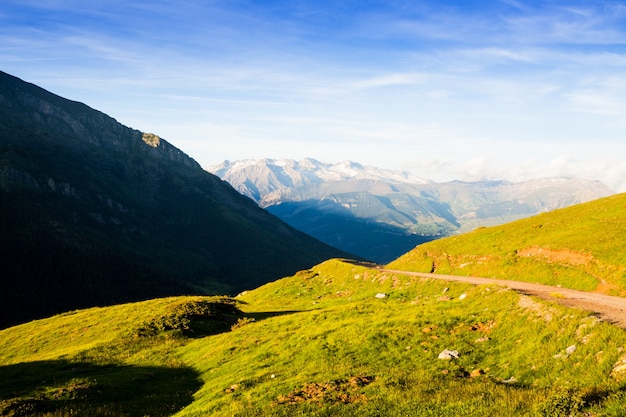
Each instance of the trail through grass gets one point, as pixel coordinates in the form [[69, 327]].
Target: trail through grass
[[337, 340], [579, 247]]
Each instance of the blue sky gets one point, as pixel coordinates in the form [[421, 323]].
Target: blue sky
[[506, 89]]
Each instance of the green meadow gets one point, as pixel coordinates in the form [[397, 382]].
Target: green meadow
[[579, 247], [337, 340]]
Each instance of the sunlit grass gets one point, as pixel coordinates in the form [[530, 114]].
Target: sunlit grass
[[512, 354], [338, 340], [113, 361], [578, 247]]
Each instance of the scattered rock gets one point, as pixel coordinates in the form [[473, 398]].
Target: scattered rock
[[568, 351], [476, 372], [445, 290], [619, 369], [381, 295], [462, 296], [448, 354], [482, 339], [511, 380], [540, 310], [444, 298], [232, 388]]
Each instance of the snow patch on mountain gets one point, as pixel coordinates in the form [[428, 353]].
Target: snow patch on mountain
[[257, 178]]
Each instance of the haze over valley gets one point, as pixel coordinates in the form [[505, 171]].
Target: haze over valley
[[380, 214]]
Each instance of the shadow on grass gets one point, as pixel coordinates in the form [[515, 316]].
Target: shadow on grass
[[262, 315], [200, 327], [65, 388]]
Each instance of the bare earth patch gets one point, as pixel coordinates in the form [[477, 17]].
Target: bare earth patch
[[340, 391], [559, 255]]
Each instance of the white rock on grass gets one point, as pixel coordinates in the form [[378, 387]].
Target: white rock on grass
[[381, 295], [448, 354]]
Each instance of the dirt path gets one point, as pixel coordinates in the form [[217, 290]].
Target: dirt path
[[608, 308]]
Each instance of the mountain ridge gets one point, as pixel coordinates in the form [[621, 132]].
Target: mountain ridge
[[391, 211], [289, 173], [94, 213]]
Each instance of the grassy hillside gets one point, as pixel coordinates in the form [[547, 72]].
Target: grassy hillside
[[579, 247], [320, 343]]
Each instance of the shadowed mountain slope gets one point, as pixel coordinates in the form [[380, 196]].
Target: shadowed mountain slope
[[95, 213]]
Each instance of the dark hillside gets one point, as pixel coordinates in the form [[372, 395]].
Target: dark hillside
[[96, 213]]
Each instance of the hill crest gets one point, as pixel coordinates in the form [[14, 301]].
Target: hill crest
[[575, 247]]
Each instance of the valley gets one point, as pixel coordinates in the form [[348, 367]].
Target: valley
[[115, 244], [381, 214], [312, 209]]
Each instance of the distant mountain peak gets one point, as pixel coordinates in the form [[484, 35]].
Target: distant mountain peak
[[260, 178]]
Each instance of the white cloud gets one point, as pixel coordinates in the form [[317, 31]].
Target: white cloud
[[597, 102], [387, 80]]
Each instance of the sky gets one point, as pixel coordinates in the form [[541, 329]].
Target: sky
[[451, 89]]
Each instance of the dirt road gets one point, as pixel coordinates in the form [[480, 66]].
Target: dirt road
[[608, 308]]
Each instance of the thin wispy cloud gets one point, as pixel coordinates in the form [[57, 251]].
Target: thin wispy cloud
[[452, 90]]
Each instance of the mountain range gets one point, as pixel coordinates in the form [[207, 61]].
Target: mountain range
[[97, 213], [380, 214]]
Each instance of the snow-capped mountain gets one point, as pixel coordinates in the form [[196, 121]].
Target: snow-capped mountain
[[258, 178], [380, 214]]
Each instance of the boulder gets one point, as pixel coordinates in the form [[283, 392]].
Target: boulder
[[448, 354]]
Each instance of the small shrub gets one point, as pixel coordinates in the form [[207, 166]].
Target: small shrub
[[561, 402], [242, 322]]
